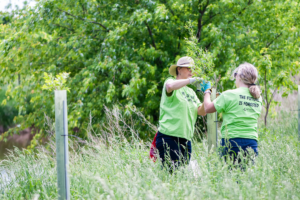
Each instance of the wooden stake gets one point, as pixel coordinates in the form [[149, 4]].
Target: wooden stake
[[62, 155], [212, 126]]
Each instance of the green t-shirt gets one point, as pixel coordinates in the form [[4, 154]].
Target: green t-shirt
[[240, 112], [178, 112]]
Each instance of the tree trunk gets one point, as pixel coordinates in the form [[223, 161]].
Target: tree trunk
[[266, 99], [267, 112]]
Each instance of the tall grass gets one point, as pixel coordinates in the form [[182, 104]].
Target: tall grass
[[110, 167]]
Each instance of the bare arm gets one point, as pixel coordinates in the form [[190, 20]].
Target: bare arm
[[176, 84], [208, 105], [201, 110]]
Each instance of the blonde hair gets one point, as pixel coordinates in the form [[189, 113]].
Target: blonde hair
[[248, 74]]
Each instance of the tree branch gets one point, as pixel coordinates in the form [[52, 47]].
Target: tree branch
[[165, 2], [273, 95], [249, 2], [210, 17], [70, 29], [266, 98], [83, 9], [265, 81], [208, 46], [198, 35], [150, 33], [77, 17], [269, 44]]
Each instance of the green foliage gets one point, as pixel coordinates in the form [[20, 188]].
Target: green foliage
[[5, 18], [204, 65], [58, 83], [7, 110], [118, 52], [275, 77]]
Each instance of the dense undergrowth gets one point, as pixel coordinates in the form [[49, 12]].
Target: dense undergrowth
[[110, 167], [7, 110]]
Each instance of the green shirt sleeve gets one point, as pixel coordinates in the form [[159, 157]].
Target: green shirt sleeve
[[220, 103], [172, 96]]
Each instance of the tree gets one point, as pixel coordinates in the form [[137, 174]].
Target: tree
[[118, 52], [278, 44]]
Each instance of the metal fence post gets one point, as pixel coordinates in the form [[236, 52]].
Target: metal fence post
[[212, 125], [299, 112], [62, 155]]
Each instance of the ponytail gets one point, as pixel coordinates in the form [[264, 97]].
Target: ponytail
[[254, 91], [248, 74]]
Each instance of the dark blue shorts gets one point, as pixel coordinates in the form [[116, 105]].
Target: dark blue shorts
[[233, 146], [173, 150]]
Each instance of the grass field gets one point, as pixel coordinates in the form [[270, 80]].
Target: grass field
[[116, 169]]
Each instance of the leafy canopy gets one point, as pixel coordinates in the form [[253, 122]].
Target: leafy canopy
[[52, 83], [118, 52]]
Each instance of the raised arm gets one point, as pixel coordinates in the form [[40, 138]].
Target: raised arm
[[208, 105], [176, 84]]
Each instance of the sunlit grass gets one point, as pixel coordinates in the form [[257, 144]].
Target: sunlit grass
[[113, 168]]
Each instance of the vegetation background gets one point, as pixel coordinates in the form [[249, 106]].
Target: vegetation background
[[110, 167], [118, 54]]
